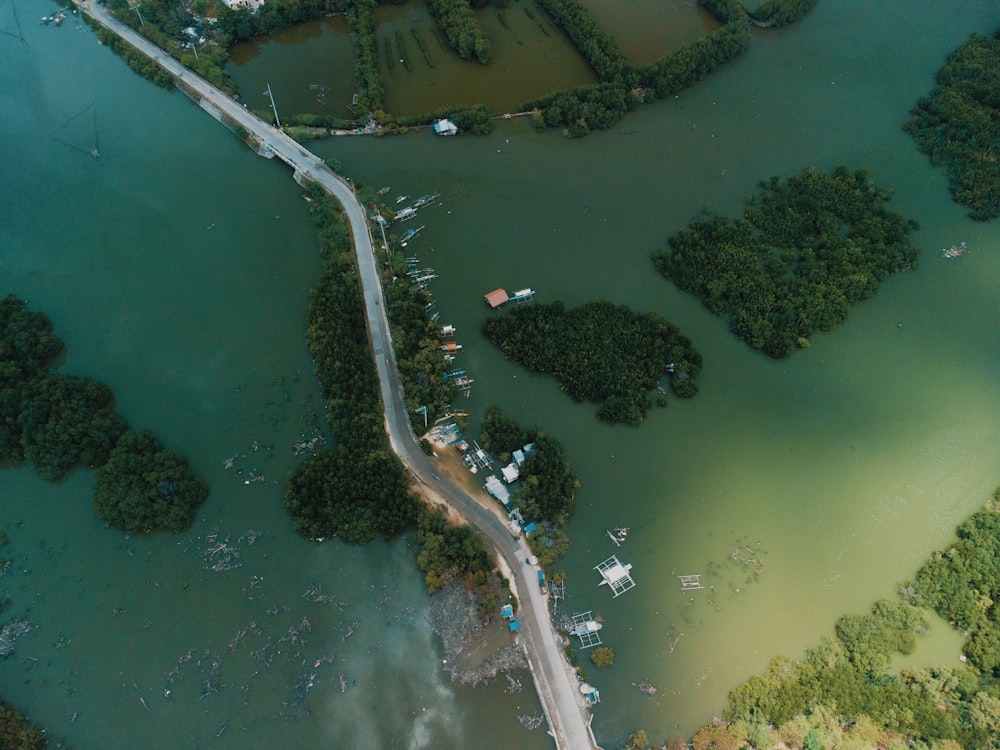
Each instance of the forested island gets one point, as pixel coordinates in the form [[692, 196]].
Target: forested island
[[842, 694], [600, 352], [58, 422], [958, 125], [803, 252]]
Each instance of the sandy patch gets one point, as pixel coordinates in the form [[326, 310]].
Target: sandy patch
[[449, 463]]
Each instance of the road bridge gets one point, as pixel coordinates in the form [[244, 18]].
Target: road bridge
[[555, 681]]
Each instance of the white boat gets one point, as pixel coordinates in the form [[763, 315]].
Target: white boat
[[590, 626], [954, 251]]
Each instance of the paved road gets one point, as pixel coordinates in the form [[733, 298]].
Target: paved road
[[556, 685]]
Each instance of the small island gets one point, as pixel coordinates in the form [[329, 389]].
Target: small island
[[958, 125], [60, 422], [803, 252], [600, 352]]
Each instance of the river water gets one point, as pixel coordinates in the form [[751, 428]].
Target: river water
[[839, 469]]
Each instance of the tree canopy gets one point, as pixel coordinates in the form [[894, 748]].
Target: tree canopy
[[67, 421], [803, 252], [600, 352], [548, 483], [958, 125], [357, 490], [460, 26], [144, 487], [27, 346], [59, 422]]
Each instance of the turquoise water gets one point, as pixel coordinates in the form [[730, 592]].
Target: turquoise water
[[840, 468]]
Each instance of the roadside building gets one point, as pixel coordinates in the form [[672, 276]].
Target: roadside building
[[445, 127]]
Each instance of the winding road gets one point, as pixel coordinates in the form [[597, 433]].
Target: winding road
[[555, 681]]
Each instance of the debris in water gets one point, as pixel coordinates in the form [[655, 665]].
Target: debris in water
[[10, 633], [530, 722]]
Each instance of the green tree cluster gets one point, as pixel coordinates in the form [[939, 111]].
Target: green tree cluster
[[417, 345], [775, 13], [164, 25], [600, 352], [596, 45], [361, 27], [67, 421], [726, 11], [28, 346], [358, 489], [58, 422], [140, 63], [603, 656], [144, 487], [962, 584], [694, 61], [243, 24], [802, 253], [462, 28], [548, 544], [579, 109], [350, 493], [501, 435], [622, 87], [871, 640], [448, 552], [474, 119], [548, 482], [958, 125]]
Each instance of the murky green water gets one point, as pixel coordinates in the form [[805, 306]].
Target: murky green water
[[530, 58], [840, 468], [310, 68], [646, 30]]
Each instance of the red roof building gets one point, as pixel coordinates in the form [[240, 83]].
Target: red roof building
[[496, 298]]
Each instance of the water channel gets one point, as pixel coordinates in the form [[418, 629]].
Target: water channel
[[840, 468]]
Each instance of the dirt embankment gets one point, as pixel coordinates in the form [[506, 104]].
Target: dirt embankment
[[450, 465]]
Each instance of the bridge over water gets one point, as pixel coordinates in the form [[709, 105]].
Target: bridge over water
[[555, 681]]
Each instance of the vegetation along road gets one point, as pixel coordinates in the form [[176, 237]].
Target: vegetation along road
[[554, 680]]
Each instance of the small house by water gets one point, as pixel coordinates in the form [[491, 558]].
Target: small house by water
[[445, 127], [496, 298], [496, 488]]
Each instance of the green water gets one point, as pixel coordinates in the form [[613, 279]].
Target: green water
[[840, 468], [646, 30], [310, 68]]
